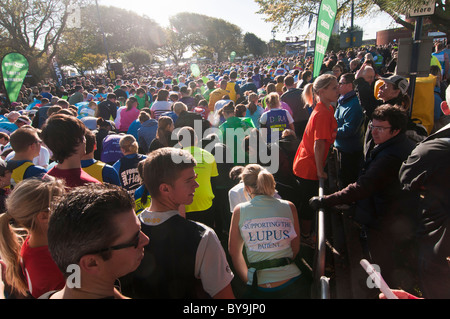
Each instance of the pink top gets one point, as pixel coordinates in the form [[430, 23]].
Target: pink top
[[127, 117]]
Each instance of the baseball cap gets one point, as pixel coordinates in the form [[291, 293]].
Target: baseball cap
[[399, 81]]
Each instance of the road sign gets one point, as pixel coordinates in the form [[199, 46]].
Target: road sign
[[425, 9]]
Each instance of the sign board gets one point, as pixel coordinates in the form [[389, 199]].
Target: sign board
[[346, 39], [424, 9], [405, 55]]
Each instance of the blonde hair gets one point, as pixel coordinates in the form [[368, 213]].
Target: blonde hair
[[312, 89], [259, 179], [30, 197], [273, 100], [129, 144]]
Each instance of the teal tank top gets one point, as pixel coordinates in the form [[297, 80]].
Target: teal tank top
[[267, 228]]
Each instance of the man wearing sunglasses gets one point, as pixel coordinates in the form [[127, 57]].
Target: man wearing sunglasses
[[95, 238], [382, 211]]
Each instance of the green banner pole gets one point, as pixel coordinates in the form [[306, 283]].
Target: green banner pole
[[14, 70], [325, 24]]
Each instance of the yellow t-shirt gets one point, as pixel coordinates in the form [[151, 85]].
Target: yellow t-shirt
[[206, 168], [215, 96]]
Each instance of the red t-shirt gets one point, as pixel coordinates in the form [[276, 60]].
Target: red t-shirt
[[73, 177], [322, 125], [41, 272]]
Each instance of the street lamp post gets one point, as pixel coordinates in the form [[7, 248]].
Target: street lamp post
[[104, 37]]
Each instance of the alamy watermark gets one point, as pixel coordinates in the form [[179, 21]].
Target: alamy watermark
[[247, 145]]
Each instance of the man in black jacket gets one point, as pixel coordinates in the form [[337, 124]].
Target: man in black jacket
[[426, 174], [293, 98], [382, 210], [108, 108]]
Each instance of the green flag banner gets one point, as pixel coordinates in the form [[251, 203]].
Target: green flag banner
[[14, 70], [325, 24], [195, 70], [232, 56]]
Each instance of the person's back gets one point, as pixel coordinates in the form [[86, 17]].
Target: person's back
[[293, 98], [108, 109], [425, 174], [146, 134], [111, 152], [174, 239]]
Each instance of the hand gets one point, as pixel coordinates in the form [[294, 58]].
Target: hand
[[316, 202]]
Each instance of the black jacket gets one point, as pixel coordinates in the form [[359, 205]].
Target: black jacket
[[377, 192], [426, 174]]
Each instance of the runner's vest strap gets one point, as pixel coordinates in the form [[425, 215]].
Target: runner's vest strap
[[19, 172], [271, 263], [265, 264]]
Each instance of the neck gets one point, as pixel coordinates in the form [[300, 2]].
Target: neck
[[162, 205], [37, 239], [88, 156], [89, 293], [70, 163], [325, 102], [23, 157]]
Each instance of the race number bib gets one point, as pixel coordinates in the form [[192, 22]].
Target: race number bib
[[268, 234]]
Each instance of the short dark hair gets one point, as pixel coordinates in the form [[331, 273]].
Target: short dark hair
[[62, 133], [349, 78], [91, 141], [82, 222], [394, 114], [23, 137], [289, 80], [159, 167]]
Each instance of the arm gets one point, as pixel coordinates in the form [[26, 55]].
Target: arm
[[319, 155], [235, 246]]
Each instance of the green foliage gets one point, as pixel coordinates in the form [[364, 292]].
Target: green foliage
[[254, 45], [137, 57], [293, 14]]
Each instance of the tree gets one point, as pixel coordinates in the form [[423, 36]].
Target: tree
[[254, 45], [137, 57], [89, 62], [208, 35], [34, 28], [175, 46], [291, 14]]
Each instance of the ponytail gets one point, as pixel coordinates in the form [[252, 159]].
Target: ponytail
[[259, 179], [27, 200], [308, 95], [10, 246]]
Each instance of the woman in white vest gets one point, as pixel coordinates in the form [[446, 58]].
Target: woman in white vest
[[268, 228]]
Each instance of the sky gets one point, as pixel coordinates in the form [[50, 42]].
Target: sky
[[239, 12]]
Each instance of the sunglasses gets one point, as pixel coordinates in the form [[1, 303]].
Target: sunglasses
[[133, 243]]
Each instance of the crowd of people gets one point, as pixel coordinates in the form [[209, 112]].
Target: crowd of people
[[164, 184]]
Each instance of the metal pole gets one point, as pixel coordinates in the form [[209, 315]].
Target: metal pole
[[321, 244], [351, 25], [415, 59]]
